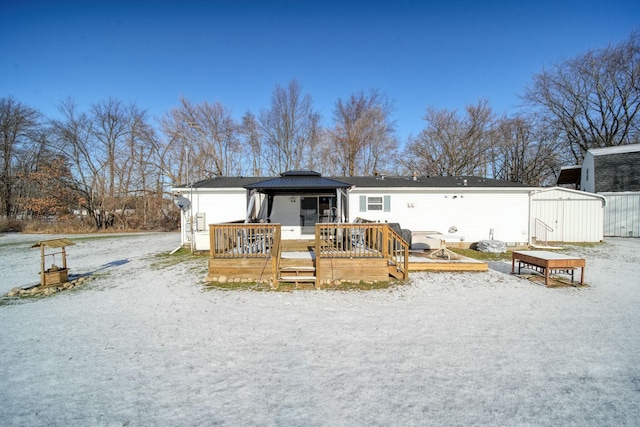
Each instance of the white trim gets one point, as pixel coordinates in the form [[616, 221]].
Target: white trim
[[582, 194], [619, 149]]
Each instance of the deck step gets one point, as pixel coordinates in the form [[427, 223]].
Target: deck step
[[297, 269], [297, 278], [303, 276]]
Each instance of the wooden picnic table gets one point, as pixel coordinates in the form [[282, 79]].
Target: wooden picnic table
[[546, 262]]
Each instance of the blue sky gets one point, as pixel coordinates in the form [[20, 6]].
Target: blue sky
[[445, 54]]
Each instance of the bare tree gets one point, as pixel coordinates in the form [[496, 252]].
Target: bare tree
[[289, 128], [250, 130], [521, 152], [18, 147], [74, 140], [109, 152], [363, 135], [207, 136], [593, 100], [138, 175], [450, 145]]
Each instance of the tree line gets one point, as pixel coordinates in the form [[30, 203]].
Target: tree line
[[112, 166]]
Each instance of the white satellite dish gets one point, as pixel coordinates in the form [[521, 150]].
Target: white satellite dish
[[183, 203]]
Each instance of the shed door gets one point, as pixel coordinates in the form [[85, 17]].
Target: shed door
[[549, 213]]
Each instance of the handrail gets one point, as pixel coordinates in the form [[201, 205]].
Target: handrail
[[398, 253], [541, 229], [276, 252]]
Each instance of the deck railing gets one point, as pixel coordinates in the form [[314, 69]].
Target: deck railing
[[363, 240], [345, 240], [243, 240], [332, 240]]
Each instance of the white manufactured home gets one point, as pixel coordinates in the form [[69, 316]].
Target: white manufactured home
[[465, 209]]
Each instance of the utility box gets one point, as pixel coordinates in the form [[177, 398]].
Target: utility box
[[201, 224]]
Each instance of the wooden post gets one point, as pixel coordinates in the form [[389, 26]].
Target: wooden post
[[385, 241], [317, 251], [275, 256], [406, 262], [42, 267], [64, 258], [212, 240]]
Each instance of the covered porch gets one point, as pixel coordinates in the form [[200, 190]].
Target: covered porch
[[298, 200]]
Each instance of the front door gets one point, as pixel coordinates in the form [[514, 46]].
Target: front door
[[314, 209], [308, 214]]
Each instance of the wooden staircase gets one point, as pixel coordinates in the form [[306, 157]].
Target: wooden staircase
[[301, 277], [396, 272], [300, 273]]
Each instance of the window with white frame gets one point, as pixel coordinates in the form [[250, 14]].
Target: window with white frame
[[375, 203]]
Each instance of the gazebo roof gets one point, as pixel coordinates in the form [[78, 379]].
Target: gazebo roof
[[297, 181]]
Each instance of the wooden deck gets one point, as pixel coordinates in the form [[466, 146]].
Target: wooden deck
[[370, 252], [426, 262]]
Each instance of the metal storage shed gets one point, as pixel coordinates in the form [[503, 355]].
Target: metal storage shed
[[622, 214], [570, 215]]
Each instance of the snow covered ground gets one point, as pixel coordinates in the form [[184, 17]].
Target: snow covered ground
[[146, 344]]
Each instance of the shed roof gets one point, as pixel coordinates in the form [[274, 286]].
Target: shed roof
[[618, 149]]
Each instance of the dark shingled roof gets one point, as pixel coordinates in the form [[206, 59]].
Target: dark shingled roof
[[426, 181], [310, 180], [226, 182]]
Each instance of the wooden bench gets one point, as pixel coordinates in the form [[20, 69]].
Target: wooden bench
[[548, 262]]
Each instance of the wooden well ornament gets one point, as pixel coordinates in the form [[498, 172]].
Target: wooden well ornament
[[54, 274]]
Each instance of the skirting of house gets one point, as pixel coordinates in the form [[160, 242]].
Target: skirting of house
[[344, 269], [259, 269]]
